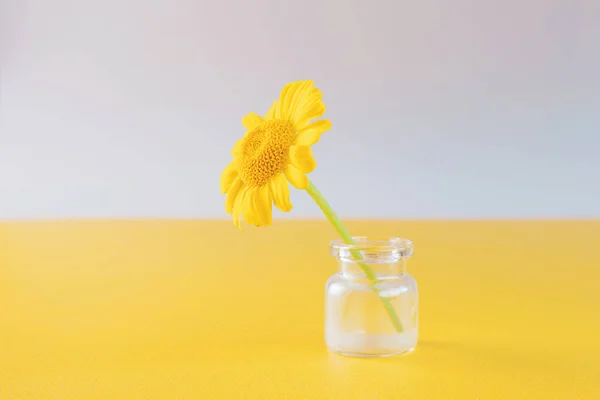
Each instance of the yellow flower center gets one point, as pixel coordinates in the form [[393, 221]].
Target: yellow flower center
[[265, 152]]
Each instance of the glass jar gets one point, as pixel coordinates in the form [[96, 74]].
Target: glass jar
[[371, 304]]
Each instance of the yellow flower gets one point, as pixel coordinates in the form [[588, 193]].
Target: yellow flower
[[274, 151]]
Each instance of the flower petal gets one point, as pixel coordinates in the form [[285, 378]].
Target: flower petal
[[295, 177], [312, 133], [257, 207], [228, 176], [237, 148], [292, 95], [287, 93], [280, 192], [301, 96], [232, 195], [302, 158], [271, 113], [251, 121], [249, 208], [237, 206], [311, 110], [264, 205]]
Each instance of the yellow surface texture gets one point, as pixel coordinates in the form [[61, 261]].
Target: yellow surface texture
[[198, 310]]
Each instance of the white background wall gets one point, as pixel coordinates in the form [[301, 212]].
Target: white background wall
[[441, 109]]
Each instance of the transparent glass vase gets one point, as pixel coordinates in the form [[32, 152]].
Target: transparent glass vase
[[371, 304]]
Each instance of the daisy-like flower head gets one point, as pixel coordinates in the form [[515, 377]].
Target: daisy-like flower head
[[274, 151]]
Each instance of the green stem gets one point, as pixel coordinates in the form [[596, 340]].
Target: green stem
[[345, 235]]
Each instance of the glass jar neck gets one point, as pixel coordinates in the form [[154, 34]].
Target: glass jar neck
[[383, 271], [372, 258]]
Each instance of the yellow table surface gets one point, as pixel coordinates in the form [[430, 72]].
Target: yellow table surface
[[198, 310]]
